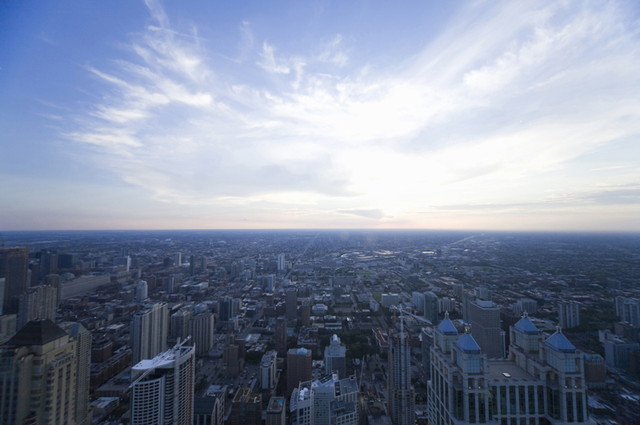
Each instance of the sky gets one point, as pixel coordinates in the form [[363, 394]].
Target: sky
[[474, 115]]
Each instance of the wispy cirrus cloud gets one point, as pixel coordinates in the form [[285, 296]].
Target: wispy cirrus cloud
[[507, 95]]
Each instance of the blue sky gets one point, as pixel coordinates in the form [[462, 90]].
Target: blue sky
[[320, 114]]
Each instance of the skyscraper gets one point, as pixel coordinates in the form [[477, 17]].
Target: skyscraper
[[268, 371], [431, 307], [569, 314], [38, 367], [149, 332], [298, 367], [325, 401], [142, 291], [291, 304], [484, 317], [628, 310], [280, 336], [83, 341], [335, 357], [542, 381], [38, 302], [163, 388], [14, 263], [201, 327], [401, 396]]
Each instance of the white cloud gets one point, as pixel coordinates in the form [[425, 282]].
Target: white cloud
[[506, 95]]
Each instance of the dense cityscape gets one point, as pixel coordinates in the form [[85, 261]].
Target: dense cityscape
[[308, 327]]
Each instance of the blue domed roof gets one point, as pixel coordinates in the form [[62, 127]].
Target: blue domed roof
[[525, 325], [447, 327], [468, 344], [559, 342]]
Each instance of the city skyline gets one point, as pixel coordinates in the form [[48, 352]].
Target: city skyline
[[434, 115]]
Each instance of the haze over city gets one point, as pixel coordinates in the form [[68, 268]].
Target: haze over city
[[438, 115]]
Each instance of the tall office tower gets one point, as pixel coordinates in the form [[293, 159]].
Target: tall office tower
[[542, 381], [48, 263], [628, 310], [276, 411], [281, 336], [401, 396], [268, 367], [180, 324], [467, 299], [426, 341], [38, 302], [484, 317], [525, 305], [163, 388], [417, 299], [431, 307], [224, 309], [246, 408], [291, 304], [281, 263], [446, 304], [569, 314], [298, 367], [54, 280], [305, 312], [201, 327], [325, 402], [142, 291], [149, 332], [14, 265], [38, 376], [335, 357], [83, 341], [177, 259]]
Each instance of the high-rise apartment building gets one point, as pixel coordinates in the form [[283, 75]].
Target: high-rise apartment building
[[431, 307], [201, 328], [335, 357], [628, 310], [83, 341], [149, 332], [162, 391], [484, 317], [14, 264], [38, 302], [298, 367], [280, 336], [142, 291], [268, 368], [327, 401], [180, 324], [291, 304], [541, 383], [401, 396], [569, 314], [38, 368]]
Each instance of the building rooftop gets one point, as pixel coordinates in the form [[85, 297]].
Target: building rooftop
[[559, 342], [526, 325], [468, 344], [37, 332], [507, 370], [447, 327]]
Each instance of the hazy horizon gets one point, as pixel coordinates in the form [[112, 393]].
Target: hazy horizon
[[470, 116]]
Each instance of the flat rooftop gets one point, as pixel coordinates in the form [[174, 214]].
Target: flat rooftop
[[506, 370]]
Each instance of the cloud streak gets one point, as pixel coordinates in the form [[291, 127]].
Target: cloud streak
[[483, 114]]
